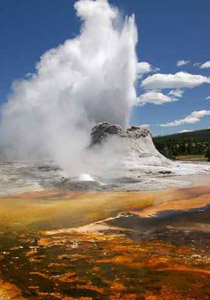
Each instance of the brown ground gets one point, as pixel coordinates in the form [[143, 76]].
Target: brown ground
[[192, 158], [136, 256]]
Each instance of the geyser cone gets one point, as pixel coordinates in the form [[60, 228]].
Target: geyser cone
[[116, 152]]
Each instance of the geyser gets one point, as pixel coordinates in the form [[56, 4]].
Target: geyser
[[88, 79]]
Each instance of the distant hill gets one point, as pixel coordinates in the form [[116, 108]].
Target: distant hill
[[186, 143], [198, 135]]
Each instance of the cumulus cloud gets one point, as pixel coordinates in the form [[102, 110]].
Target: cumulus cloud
[[208, 98], [182, 63], [154, 97], [177, 93], [193, 118], [174, 81], [205, 65], [144, 68], [88, 79]]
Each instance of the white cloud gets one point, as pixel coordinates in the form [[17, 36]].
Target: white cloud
[[177, 93], [144, 67], [28, 75], [173, 81], [145, 125], [208, 98], [196, 64], [184, 130], [205, 65], [182, 63], [155, 69], [154, 97], [193, 118]]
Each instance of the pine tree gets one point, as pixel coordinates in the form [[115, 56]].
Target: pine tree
[[208, 153]]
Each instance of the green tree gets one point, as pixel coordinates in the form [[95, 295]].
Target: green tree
[[208, 153]]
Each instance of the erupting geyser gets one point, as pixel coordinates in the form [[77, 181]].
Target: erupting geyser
[[88, 79]]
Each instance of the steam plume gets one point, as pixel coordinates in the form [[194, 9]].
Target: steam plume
[[88, 79]]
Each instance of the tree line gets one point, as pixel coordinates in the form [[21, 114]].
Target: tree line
[[171, 148]]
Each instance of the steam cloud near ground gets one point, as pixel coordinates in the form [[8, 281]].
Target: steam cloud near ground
[[88, 79]]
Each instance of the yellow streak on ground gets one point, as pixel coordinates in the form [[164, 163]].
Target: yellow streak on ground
[[198, 202], [81, 209]]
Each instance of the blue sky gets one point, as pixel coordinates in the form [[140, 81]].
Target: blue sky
[[169, 31]]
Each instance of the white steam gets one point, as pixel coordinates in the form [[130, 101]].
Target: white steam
[[88, 79]]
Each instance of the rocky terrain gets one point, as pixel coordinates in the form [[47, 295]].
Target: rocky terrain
[[101, 131]]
